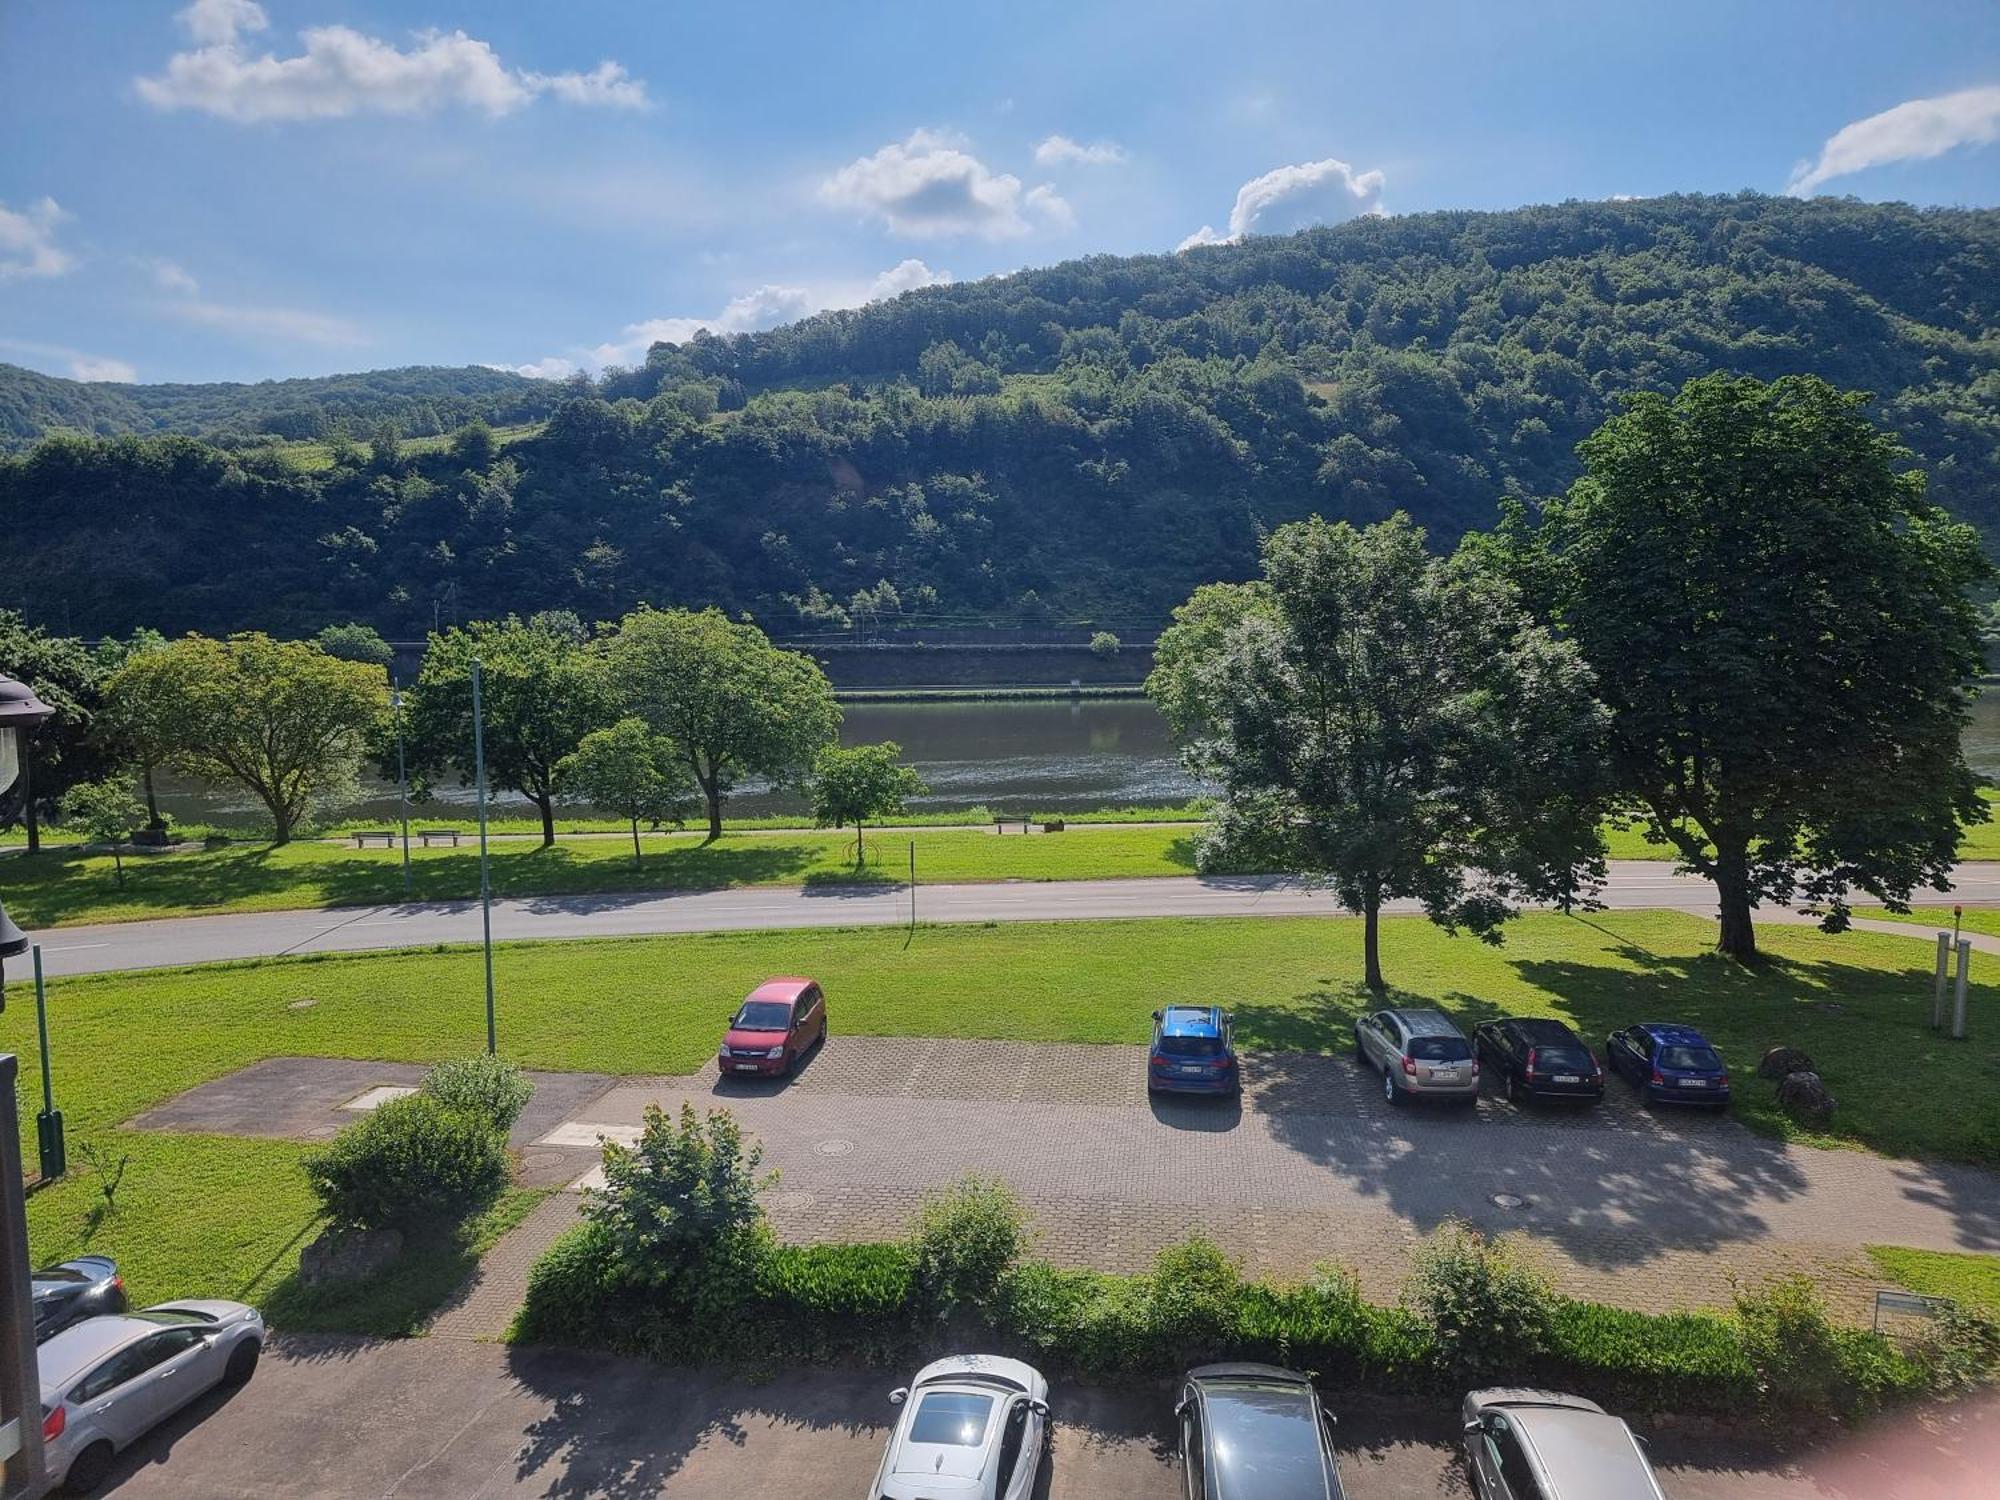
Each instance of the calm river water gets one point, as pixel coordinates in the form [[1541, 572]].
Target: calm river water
[[1009, 755]]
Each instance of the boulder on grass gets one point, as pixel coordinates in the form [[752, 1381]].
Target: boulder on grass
[[1804, 1097], [1782, 1062], [349, 1255]]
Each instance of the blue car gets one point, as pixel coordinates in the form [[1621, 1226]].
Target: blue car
[[1192, 1052], [1669, 1064]]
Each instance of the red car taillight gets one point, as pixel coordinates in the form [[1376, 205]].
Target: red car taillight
[[1659, 1077], [54, 1423], [1722, 1082], [1529, 1068], [1409, 1068]]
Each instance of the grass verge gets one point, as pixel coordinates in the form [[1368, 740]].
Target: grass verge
[[1969, 1280]]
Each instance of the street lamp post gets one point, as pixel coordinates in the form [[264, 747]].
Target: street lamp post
[[485, 884], [402, 778]]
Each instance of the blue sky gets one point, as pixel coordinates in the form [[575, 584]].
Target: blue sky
[[239, 190]]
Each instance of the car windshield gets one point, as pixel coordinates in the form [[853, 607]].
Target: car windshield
[[60, 1273], [172, 1316], [957, 1418], [1439, 1049], [1191, 1046], [764, 1015], [1691, 1059]]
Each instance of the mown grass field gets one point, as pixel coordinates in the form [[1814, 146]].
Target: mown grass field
[[1969, 1280], [58, 887], [228, 1216]]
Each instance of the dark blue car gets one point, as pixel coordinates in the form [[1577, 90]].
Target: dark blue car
[[1669, 1064], [1192, 1052]]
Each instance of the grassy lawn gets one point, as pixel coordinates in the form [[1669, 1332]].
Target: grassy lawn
[[1982, 919], [60, 887], [1969, 1280], [228, 1217]]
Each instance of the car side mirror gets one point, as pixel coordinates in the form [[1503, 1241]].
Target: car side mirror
[[899, 1395], [1475, 1425], [1039, 1408], [1180, 1407], [1156, 1015]]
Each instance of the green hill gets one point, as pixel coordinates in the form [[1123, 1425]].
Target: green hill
[[1088, 440]]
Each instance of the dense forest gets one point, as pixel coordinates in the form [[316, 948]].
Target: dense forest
[[421, 401], [1083, 442]]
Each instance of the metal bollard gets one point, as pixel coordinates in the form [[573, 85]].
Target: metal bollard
[[1958, 998], [1943, 971]]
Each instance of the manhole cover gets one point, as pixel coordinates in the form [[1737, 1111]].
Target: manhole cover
[[792, 1202], [541, 1161], [834, 1147], [1508, 1200]]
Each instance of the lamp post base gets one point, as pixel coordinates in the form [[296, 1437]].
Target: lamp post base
[[49, 1137]]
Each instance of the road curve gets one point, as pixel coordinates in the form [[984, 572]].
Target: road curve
[[194, 940]]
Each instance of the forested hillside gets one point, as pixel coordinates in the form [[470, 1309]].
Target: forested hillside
[[1086, 441], [420, 400]]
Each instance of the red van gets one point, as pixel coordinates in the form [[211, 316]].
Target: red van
[[772, 1029]]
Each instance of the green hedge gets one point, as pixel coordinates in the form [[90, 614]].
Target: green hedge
[[865, 1302]]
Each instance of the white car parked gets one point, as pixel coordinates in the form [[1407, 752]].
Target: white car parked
[[974, 1427], [107, 1382]]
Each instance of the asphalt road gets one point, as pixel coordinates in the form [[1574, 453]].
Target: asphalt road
[[192, 940], [350, 1420]]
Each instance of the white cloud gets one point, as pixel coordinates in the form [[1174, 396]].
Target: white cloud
[[1296, 197], [930, 185], [170, 277], [1915, 130], [765, 307], [28, 241], [343, 72], [1060, 150], [282, 325], [75, 362], [904, 276]]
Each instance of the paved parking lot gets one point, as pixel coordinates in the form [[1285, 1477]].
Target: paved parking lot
[[430, 1419], [1642, 1208]]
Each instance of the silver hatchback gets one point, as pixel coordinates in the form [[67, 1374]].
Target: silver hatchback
[[1420, 1054], [1542, 1445]]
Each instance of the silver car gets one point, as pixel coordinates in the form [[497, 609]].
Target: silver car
[[1420, 1054], [973, 1427], [108, 1381], [1541, 1445]]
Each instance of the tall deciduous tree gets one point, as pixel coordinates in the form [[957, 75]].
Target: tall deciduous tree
[[542, 690], [631, 771], [1392, 724], [1779, 623], [860, 782], [280, 718], [734, 703], [141, 716]]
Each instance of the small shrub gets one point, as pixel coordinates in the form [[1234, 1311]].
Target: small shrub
[[682, 1195], [963, 1243], [1104, 644], [824, 1303], [1963, 1350], [486, 1087], [1791, 1345], [1193, 1299], [409, 1164], [1488, 1312], [573, 1292]]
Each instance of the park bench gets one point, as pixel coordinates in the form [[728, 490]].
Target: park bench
[[439, 836], [1001, 822], [387, 836]]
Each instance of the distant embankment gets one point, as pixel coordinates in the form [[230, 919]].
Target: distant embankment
[[898, 664]]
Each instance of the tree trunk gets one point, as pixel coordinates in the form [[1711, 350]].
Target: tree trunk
[[711, 791], [1738, 938], [153, 819], [1371, 942], [27, 784], [118, 861], [860, 854], [637, 862], [281, 822], [547, 804]]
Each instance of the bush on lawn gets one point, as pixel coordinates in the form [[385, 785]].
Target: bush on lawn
[[486, 1087], [409, 1165], [1487, 1311], [1802, 1363], [965, 1240], [681, 1199]]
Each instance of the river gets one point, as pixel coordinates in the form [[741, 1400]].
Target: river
[[1011, 755]]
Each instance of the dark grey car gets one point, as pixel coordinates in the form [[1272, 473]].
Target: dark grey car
[[1543, 1445], [1420, 1054], [1255, 1432]]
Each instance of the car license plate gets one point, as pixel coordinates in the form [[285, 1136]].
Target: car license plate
[[1192, 1068], [1444, 1075], [745, 1067], [1694, 1083], [1569, 1078]]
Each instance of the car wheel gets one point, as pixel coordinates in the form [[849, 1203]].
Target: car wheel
[[242, 1362], [1389, 1090], [87, 1469]]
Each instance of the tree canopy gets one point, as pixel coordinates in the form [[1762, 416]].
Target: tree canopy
[[731, 702], [1393, 724], [1779, 622], [627, 769], [855, 783]]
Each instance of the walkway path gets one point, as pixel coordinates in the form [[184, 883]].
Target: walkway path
[[189, 940]]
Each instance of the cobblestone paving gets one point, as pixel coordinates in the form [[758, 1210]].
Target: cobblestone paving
[[485, 1306], [1622, 1204]]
